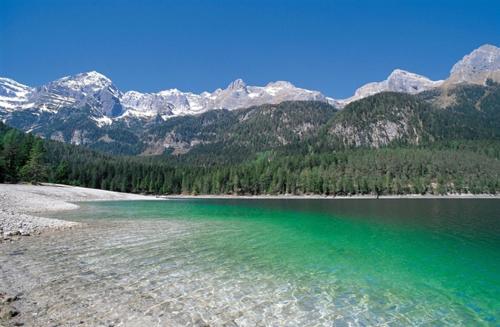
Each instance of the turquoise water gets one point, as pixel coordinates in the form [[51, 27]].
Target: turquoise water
[[285, 262]]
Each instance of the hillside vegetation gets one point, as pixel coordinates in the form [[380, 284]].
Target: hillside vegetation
[[454, 167]]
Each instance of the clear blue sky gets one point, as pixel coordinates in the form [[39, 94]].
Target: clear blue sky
[[331, 46]]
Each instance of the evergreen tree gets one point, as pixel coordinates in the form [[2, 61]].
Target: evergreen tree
[[34, 170]]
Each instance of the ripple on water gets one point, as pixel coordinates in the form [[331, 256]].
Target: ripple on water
[[176, 273], [127, 273]]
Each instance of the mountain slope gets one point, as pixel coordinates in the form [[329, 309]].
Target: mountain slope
[[13, 95], [88, 109], [98, 92], [398, 81], [240, 132], [477, 67], [468, 112], [380, 120], [403, 170], [86, 89]]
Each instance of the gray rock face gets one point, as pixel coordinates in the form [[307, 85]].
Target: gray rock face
[[475, 68], [91, 88], [108, 104], [375, 124], [150, 104], [376, 134], [239, 95], [398, 81], [236, 95], [96, 91], [478, 66]]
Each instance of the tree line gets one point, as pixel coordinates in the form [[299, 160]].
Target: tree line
[[453, 167]]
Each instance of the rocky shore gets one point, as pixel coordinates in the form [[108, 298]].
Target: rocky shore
[[22, 206]]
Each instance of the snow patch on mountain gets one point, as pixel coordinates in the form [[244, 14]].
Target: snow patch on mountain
[[90, 88], [102, 121], [107, 103], [146, 104], [13, 95], [236, 95]]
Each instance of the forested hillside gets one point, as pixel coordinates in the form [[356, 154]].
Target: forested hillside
[[458, 166], [240, 132], [446, 140], [464, 112], [458, 112]]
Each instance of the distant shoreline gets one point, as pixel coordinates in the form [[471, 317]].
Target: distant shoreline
[[22, 206], [330, 197]]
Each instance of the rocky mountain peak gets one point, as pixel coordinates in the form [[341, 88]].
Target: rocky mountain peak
[[89, 88], [400, 73], [170, 92], [88, 82], [11, 88], [95, 90], [403, 81], [399, 80], [478, 66], [13, 94], [237, 84], [280, 84]]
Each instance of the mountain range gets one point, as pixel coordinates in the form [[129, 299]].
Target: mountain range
[[89, 109], [107, 101]]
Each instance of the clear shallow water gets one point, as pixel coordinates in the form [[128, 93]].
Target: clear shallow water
[[264, 262]]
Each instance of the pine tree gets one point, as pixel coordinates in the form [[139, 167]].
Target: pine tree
[[61, 174], [34, 171]]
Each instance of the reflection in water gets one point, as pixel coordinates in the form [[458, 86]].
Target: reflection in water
[[269, 262]]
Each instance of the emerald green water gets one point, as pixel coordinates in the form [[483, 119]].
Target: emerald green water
[[303, 262]]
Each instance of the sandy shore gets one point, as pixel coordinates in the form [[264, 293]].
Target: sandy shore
[[22, 206]]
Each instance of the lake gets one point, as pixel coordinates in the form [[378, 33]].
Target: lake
[[248, 262]]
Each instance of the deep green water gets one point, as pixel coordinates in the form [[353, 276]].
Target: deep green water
[[434, 260], [308, 262]]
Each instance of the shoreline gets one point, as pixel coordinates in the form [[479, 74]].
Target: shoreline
[[22, 206], [330, 197], [23, 301]]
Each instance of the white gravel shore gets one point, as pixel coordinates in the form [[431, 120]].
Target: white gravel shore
[[22, 206]]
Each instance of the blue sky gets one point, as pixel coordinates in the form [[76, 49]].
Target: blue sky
[[331, 46]]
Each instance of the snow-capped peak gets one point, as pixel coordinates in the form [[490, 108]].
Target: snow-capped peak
[[88, 82], [11, 88], [170, 92], [237, 84], [93, 76], [89, 88], [146, 104], [13, 94], [281, 84], [96, 91]]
